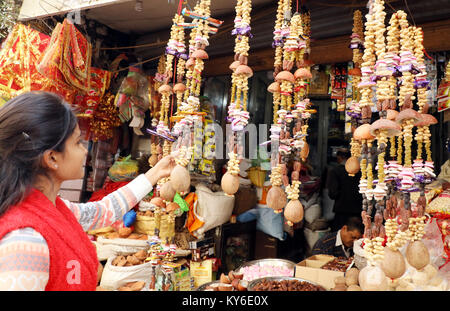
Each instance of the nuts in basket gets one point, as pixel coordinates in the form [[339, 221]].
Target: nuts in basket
[[130, 260], [132, 287]]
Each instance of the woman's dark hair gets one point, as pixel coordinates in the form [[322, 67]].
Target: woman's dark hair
[[30, 124]]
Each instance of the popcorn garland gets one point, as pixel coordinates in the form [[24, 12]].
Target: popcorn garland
[[409, 66], [306, 19], [237, 110], [278, 37], [369, 60], [407, 59], [357, 38]]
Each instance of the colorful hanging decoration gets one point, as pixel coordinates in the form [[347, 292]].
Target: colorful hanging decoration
[[132, 99], [67, 58], [237, 110], [22, 51], [105, 119], [398, 69], [291, 110]]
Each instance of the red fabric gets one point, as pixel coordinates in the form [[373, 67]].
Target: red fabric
[[108, 187], [73, 258]]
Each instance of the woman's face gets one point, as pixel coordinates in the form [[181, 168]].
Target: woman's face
[[73, 158]]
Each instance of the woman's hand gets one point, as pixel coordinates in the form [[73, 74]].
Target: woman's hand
[[162, 169]]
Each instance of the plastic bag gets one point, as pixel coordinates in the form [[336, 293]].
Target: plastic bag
[[124, 169], [267, 221], [433, 241]]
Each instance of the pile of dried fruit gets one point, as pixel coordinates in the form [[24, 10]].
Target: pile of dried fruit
[[132, 287], [126, 233], [130, 260], [287, 285], [338, 264], [231, 282]]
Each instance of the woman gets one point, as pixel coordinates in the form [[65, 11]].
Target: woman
[[43, 244]]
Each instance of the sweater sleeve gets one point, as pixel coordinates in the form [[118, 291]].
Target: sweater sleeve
[[103, 213], [24, 261]]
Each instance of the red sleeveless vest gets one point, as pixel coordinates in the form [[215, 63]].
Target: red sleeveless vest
[[73, 258]]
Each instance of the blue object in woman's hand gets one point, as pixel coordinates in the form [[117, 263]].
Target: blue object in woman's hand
[[129, 218]]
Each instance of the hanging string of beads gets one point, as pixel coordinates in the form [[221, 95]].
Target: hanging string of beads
[[237, 111], [369, 59]]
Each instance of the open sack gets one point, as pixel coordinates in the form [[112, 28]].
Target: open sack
[[114, 277], [107, 248], [213, 208]]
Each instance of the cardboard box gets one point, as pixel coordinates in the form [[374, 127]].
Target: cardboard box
[[309, 269]]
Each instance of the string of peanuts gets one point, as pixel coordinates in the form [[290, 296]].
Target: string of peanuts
[[306, 19], [369, 59], [278, 59], [406, 48]]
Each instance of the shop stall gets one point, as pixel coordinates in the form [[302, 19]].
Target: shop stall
[[257, 121]]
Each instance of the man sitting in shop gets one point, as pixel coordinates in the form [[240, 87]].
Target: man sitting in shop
[[340, 243]]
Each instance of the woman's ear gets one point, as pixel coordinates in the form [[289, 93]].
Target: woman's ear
[[49, 160]]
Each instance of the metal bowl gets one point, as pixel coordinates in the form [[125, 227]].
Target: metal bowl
[[271, 262], [204, 286], [253, 283]]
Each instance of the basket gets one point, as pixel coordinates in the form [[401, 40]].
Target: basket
[[257, 176], [145, 224]]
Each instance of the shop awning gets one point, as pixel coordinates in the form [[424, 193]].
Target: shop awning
[[32, 9]]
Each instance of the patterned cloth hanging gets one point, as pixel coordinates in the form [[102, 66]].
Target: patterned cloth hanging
[[22, 50]]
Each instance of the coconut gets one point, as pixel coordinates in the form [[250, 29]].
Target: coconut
[[276, 198], [190, 62], [406, 115], [201, 54], [417, 255], [179, 88], [391, 114], [419, 278], [180, 179], [172, 207], [362, 132], [285, 76], [351, 277], [393, 263], [230, 183], [234, 65], [274, 87], [244, 70], [425, 120], [165, 88], [352, 166], [159, 202], [302, 73], [167, 192], [430, 270], [391, 128], [372, 278], [293, 211]]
